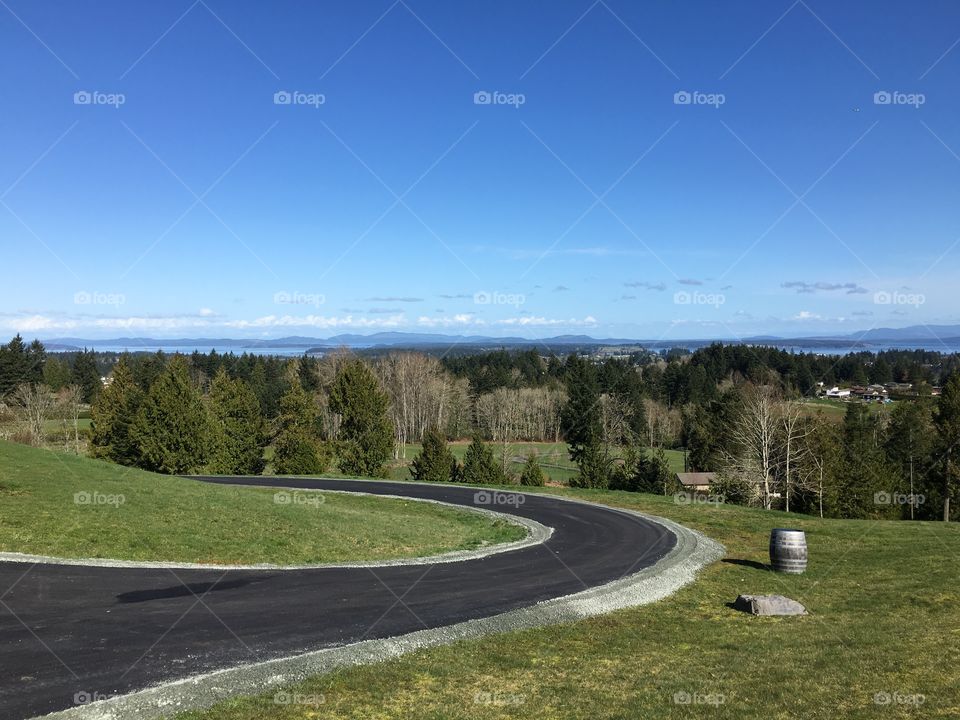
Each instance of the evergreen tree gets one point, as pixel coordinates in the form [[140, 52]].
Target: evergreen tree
[[239, 427], [947, 420], [580, 420], [532, 475], [113, 414], [366, 432], [594, 467], [864, 474], [909, 450], [172, 427], [297, 450], [56, 373], [20, 364], [435, 463], [479, 466], [298, 410], [642, 472], [86, 374]]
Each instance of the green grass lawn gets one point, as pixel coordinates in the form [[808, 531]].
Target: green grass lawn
[[884, 624], [554, 458], [64, 505], [836, 409]]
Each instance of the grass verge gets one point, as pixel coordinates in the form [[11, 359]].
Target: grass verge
[[882, 640], [63, 505]]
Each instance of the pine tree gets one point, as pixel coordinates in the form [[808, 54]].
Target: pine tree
[[532, 474], [366, 431], [594, 467], [86, 374], [172, 427], [297, 450], [479, 466], [435, 463], [239, 427], [20, 364], [113, 414], [580, 420], [947, 420]]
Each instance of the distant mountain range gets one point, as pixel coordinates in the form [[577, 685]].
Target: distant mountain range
[[913, 335]]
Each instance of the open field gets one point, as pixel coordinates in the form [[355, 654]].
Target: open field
[[881, 640], [67, 506], [554, 458], [836, 409]]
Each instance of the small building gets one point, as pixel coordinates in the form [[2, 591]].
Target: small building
[[698, 482], [837, 393]]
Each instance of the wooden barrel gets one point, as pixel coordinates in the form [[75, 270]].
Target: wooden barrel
[[788, 550]]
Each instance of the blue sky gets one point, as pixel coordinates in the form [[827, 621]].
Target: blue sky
[[651, 170]]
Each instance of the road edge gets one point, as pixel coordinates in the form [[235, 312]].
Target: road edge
[[693, 552]]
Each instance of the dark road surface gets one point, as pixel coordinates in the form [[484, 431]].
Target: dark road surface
[[69, 633]]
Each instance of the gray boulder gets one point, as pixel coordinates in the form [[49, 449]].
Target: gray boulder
[[768, 605]]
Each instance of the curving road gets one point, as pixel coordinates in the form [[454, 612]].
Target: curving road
[[99, 631]]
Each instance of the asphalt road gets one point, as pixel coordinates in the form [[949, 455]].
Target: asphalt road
[[70, 633]]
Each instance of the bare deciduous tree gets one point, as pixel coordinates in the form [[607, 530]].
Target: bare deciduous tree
[[36, 402], [755, 433]]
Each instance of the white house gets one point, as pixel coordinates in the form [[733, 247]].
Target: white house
[[836, 392]]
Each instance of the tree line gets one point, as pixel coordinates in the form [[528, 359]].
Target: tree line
[[735, 411]]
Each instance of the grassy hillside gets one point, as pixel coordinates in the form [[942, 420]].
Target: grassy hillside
[[882, 641], [63, 505]]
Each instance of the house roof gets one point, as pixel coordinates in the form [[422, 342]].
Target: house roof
[[696, 478]]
